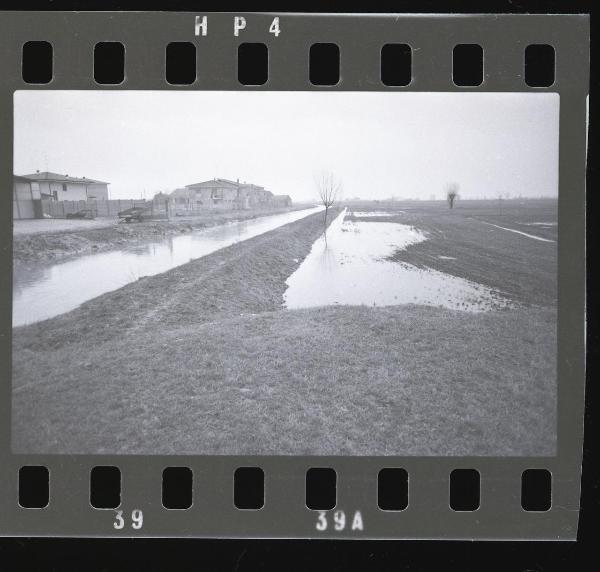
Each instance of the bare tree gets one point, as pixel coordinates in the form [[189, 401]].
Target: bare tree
[[328, 188], [451, 193]]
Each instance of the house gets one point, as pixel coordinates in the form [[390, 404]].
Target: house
[[55, 187], [218, 193], [221, 194], [255, 196]]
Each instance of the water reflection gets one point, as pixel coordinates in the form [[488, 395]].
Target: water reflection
[[352, 268], [44, 292]]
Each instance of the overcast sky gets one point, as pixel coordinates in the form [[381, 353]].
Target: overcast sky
[[379, 144]]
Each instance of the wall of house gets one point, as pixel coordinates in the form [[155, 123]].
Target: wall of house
[[203, 197], [23, 207], [74, 191], [213, 196], [259, 197]]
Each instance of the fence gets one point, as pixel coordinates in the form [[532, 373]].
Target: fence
[[157, 209], [108, 208]]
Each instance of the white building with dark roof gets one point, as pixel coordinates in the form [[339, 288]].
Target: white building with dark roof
[[31, 192], [56, 187]]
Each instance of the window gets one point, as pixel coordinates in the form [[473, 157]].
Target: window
[[35, 186], [64, 186]]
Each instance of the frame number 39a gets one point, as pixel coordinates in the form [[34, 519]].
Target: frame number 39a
[[137, 519], [340, 522]]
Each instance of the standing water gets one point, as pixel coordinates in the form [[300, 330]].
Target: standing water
[[44, 292], [351, 266]]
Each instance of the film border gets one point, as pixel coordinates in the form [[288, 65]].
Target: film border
[[145, 36]]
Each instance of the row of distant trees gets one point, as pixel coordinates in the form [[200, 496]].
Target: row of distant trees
[[329, 189]]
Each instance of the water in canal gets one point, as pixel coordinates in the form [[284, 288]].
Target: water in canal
[[352, 267], [48, 291]]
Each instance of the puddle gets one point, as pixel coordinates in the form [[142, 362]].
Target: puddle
[[351, 268], [540, 223], [446, 257], [44, 292]]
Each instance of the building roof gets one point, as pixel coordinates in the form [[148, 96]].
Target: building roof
[[226, 182], [48, 176], [213, 181]]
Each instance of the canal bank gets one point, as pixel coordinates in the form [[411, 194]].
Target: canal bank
[[246, 277], [43, 291], [46, 241]]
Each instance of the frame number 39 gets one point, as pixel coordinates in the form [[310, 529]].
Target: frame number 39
[[137, 519]]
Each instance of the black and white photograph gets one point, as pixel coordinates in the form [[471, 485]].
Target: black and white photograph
[[285, 273]]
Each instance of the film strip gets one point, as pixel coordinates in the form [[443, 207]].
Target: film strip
[[334, 491]]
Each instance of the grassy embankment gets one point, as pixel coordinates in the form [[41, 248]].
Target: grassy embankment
[[40, 247], [203, 359]]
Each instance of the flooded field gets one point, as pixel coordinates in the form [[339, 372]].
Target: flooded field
[[351, 266], [47, 291]]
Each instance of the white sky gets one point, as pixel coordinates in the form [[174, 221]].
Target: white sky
[[379, 144]]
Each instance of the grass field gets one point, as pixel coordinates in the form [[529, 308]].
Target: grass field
[[204, 359]]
